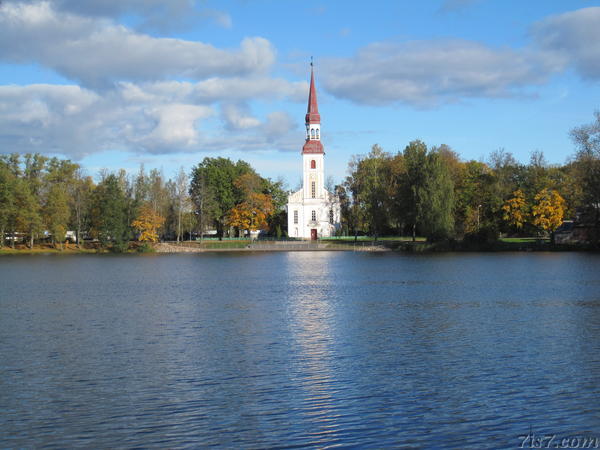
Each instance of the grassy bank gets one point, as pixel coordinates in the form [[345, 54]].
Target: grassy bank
[[72, 249], [45, 249]]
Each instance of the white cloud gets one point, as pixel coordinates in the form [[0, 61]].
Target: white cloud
[[153, 14], [157, 119], [427, 73], [572, 39], [238, 117], [98, 52]]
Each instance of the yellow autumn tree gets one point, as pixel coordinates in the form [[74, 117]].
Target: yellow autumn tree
[[515, 209], [147, 224], [252, 213], [548, 210]]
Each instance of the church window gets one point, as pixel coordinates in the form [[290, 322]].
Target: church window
[[314, 216], [317, 133], [296, 216], [313, 164], [312, 133], [313, 190], [331, 216]]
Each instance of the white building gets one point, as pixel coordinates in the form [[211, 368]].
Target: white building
[[313, 212]]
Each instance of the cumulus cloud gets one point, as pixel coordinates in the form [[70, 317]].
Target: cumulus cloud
[[157, 119], [97, 52], [238, 117], [572, 39], [154, 14], [426, 73]]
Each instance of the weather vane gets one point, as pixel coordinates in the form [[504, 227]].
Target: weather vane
[[311, 61]]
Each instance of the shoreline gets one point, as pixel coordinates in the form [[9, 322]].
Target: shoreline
[[308, 246]]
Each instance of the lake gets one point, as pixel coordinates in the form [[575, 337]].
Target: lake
[[299, 349]]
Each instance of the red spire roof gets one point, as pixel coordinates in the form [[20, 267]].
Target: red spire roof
[[312, 117], [312, 113]]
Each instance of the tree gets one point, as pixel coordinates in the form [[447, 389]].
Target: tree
[[81, 196], [182, 200], [110, 213], [252, 213], [587, 169], [56, 212], [437, 196], [28, 216], [515, 210], [426, 192], [147, 224], [548, 210], [277, 220], [369, 182], [255, 208], [7, 199], [213, 191]]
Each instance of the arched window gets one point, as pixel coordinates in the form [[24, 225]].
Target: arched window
[[312, 133], [295, 216], [331, 216], [313, 189], [317, 133], [314, 216], [313, 164]]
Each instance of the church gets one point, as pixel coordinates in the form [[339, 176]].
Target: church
[[313, 212]]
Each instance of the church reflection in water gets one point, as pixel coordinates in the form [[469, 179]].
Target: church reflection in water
[[312, 321]]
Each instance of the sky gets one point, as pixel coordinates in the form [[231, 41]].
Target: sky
[[165, 83]]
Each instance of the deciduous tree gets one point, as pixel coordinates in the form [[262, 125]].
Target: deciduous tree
[[516, 210], [548, 210], [147, 224]]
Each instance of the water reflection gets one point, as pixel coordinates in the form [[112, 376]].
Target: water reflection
[[311, 310]]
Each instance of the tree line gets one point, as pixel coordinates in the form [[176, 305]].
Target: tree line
[[51, 200], [431, 192]]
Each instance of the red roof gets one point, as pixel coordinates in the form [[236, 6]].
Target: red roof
[[312, 147], [312, 113]]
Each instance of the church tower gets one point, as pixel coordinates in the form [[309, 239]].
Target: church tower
[[313, 156], [313, 212]]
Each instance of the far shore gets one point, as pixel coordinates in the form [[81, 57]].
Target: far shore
[[363, 245]]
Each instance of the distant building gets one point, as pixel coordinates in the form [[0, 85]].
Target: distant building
[[313, 212]]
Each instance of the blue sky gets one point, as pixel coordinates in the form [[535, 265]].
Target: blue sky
[[116, 83]]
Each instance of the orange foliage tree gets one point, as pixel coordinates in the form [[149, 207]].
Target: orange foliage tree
[[548, 210], [147, 224], [252, 213], [515, 209]]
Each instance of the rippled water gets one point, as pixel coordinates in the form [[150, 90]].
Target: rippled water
[[294, 349]]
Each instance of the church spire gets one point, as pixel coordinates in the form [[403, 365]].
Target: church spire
[[312, 112], [313, 119]]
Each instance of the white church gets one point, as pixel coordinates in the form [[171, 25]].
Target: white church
[[313, 212]]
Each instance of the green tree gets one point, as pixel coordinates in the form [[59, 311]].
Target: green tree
[[110, 213], [369, 182], [57, 213], [7, 199], [28, 211], [81, 191], [213, 190], [437, 196], [587, 170]]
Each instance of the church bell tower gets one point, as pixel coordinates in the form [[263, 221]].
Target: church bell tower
[[312, 151]]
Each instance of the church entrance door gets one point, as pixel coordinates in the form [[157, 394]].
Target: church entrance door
[[313, 234]]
